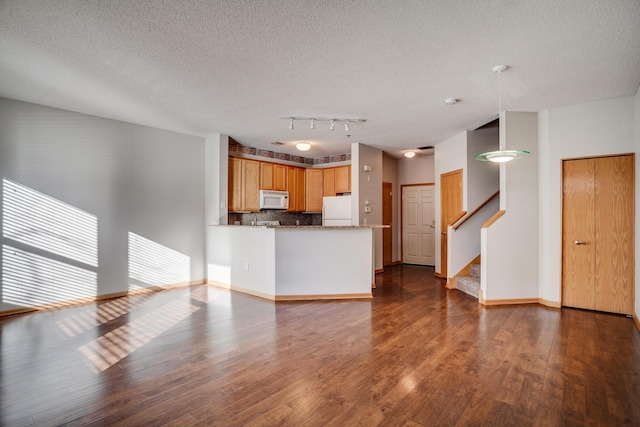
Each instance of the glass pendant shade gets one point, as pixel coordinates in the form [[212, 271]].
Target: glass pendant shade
[[501, 156]]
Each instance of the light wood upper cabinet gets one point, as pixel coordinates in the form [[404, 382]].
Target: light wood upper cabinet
[[273, 176], [329, 182], [279, 177], [296, 187], [244, 185], [343, 179], [314, 190], [266, 176], [235, 184]]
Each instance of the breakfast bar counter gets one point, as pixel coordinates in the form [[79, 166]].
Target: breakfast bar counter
[[292, 262]]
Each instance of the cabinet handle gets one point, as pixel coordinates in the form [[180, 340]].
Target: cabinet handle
[[580, 242]]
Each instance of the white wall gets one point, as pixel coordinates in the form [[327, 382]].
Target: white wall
[[390, 174], [583, 130], [449, 155], [367, 186], [419, 170], [132, 179], [510, 245], [483, 178]]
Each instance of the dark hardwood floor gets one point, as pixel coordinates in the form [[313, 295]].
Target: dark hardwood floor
[[417, 354]]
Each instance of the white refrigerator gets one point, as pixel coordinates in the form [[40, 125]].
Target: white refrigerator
[[336, 211]]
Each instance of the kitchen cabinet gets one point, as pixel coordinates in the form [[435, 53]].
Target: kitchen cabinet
[[329, 182], [266, 176], [314, 190], [296, 187], [273, 176], [343, 179], [244, 185], [279, 177]]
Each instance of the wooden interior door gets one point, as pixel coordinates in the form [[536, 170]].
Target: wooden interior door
[[387, 218], [418, 225], [598, 233], [450, 210]]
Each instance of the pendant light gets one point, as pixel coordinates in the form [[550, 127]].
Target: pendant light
[[502, 155]]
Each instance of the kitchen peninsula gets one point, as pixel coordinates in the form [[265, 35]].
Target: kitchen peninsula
[[293, 262]]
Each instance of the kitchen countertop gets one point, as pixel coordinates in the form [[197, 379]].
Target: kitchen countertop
[[304, 227]]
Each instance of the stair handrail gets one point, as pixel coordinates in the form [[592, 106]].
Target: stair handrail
[[464, 219]]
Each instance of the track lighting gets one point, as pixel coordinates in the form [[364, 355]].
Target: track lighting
[[332, 126]]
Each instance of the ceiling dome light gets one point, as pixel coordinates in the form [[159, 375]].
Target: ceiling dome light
[[410, 154], [303, 146]]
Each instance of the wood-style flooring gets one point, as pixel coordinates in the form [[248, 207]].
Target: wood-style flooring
[[417, 354]]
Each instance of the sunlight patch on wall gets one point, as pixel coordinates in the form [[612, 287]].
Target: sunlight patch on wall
[[43, 222], [111, 348], [32, 280], [219, 273], [156, 265], [98, 315]]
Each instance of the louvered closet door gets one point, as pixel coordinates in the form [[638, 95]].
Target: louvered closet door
[[597, 234]]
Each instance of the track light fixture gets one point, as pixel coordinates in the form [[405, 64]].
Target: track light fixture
[[333, 121]]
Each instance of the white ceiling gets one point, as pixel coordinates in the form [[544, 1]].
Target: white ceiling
[[237, 66]]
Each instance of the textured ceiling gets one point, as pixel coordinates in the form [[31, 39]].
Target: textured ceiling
[[236, 67]]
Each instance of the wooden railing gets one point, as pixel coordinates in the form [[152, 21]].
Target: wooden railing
[[476, 210]]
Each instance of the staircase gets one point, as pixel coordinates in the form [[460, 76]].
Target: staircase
[[470, 284]]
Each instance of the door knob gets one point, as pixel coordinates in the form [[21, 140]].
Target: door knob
[[444, 233], [580, 242]]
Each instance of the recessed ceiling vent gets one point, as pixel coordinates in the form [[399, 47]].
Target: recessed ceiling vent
[[277, 143], [426, 147]]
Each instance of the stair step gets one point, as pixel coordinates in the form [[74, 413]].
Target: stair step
[[475, 270], [469, 285]]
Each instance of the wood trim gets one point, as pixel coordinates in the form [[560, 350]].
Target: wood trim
[[510, 301], [451, 283], [493, 219], [481, 299], [636, 321], [379, 270], [466, 270], [476, 210], [554, 304], [438, 275], [417, 185], [322, 297], [81, 301], [456, 219], [597, 157]]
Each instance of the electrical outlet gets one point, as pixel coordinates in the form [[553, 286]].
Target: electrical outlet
[[367, 209]]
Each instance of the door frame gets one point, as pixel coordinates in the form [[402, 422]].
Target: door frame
[[401, 213]]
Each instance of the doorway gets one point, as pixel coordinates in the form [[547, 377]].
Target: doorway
[[450, 210], [598, 233], [418, 225]]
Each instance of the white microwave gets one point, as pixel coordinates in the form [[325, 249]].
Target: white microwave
[[274, 199]]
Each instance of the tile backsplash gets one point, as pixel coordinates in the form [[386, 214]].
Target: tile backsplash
[[285, 218]]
